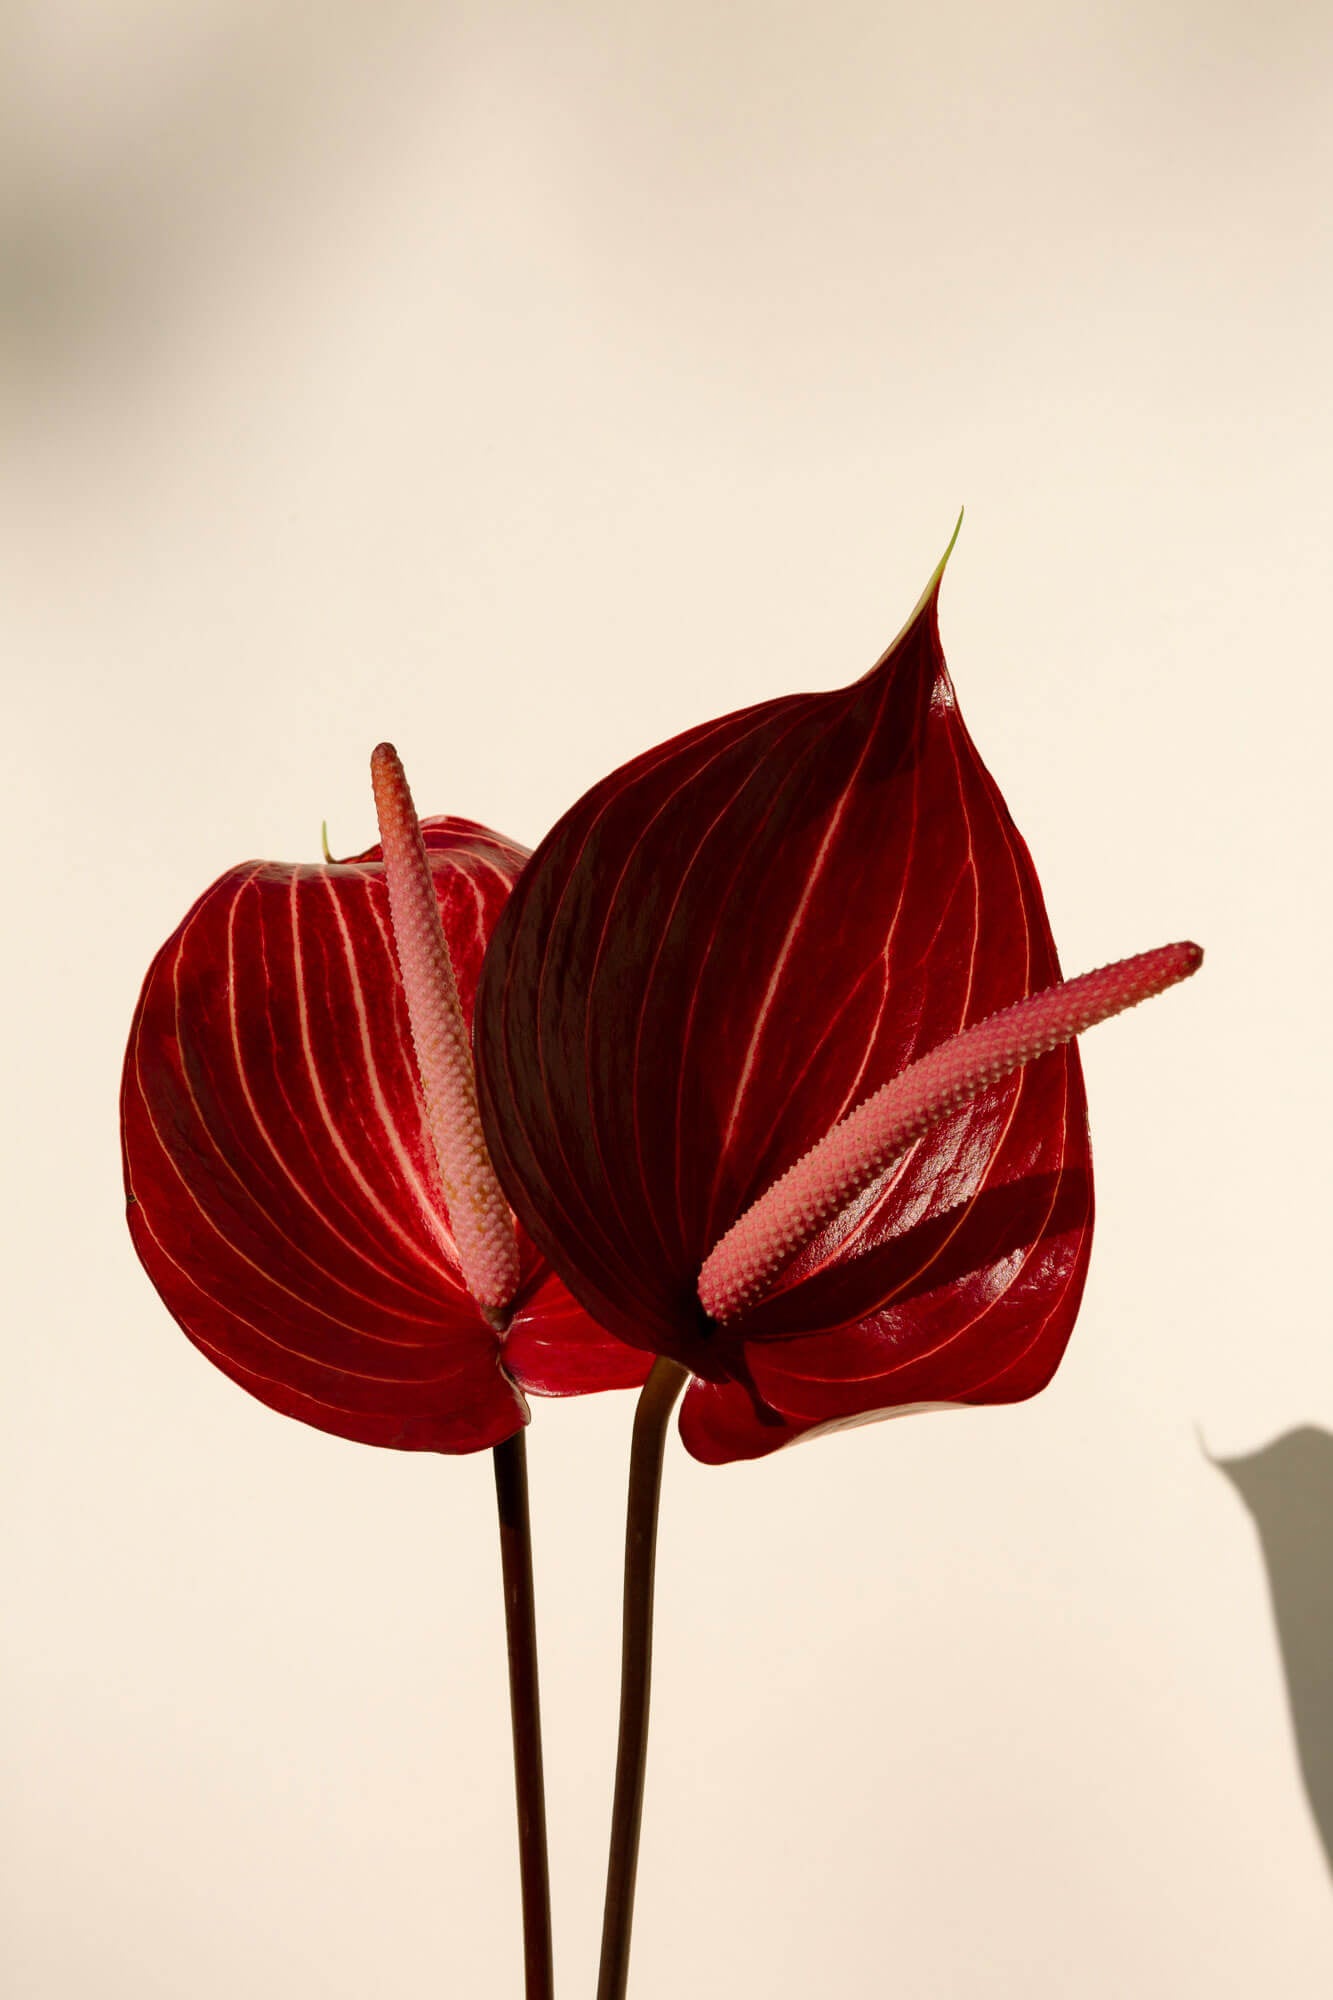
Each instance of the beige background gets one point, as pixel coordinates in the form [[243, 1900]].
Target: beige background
[[525, 384]]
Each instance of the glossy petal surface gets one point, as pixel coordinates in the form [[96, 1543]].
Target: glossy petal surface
[[715, 955], [282, 1187]]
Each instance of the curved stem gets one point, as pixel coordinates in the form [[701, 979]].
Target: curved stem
[[656, 1402], [511, 1495]]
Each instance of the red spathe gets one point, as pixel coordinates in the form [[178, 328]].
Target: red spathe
[[283, 1192], [716, 954]]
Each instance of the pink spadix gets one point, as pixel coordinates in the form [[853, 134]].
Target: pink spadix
[[742, 1267], [478, 1212]]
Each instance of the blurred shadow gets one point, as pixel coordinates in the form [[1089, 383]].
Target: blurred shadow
[[123, 187], [1288, 1488]]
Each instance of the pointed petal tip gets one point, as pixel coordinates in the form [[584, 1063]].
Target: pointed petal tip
[[932, 589], [927, 601]]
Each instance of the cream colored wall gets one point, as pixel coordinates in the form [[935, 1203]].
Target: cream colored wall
[[526, 384]]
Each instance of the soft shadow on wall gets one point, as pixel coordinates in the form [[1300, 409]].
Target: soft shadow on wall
[[1288, 1488], [142, 157]]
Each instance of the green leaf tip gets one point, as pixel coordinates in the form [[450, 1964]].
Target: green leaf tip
[[927, 598], [937, 574]]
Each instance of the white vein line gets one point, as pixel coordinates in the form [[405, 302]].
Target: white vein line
[[849, 1096], [817, 1048], [396, 1147], [572, 1201], [733, 743], [425, 1186], [1069, 1057], [479, 918], [612, 1252], [851, 1093], [968, 1325], [298, 1187], [376, 907], [208, 1133], [270, 1340], [343, 1202], [306, 1305], [1002, 1134], [873, 1208], [809, 705], [784, 952], [505, 878]]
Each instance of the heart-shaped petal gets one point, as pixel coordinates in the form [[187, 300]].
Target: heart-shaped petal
[[715, 955], [283, 1192]]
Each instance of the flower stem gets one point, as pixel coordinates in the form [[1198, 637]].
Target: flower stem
[[656, 1402], [511, 1496]]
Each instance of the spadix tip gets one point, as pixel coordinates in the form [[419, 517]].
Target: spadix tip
[[393, 797], [1166, 966]]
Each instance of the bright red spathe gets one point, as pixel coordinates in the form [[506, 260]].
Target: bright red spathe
[[283, 1189]]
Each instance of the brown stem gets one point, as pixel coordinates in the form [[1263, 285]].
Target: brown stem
[[656, 1402], [511, 1495]]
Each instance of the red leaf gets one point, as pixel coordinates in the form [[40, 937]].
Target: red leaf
[[283, 1191], [715, 955]]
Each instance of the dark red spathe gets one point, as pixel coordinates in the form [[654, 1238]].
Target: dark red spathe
[[714, 956]]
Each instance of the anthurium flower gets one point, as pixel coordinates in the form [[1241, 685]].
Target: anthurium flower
[[719, 954], [286, 1191]]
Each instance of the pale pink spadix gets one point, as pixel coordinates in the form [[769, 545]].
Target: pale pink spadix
[[742, 1267], [479, 1215]]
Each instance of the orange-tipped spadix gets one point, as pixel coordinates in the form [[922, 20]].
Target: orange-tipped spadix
[[479, 1215], [742, 1267]]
